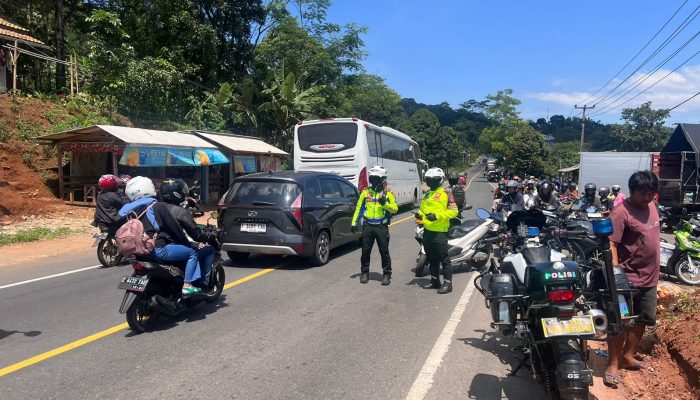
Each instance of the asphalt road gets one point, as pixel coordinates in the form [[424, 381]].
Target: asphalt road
[[294, 332]]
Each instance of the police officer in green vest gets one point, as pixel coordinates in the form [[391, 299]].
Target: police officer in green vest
[[374, 209], [436, 210]]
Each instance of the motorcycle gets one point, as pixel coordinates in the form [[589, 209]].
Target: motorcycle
[[683, 259], [535, 295], [155, 288], [107, 252], [463, 239], [193, 200]]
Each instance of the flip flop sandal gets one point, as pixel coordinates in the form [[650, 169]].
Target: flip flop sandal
[[611, 380], [635, 367]]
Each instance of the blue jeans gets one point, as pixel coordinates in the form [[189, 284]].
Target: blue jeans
[[206, 259], [178, 252]]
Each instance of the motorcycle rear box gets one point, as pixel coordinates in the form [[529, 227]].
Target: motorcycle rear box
[[540, 274]]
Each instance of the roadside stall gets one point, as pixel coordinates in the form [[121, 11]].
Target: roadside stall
[[106, 149], [246, 154]]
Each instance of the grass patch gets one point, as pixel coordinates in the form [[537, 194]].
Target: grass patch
[[33, 234]]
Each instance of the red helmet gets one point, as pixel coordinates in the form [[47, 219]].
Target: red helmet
[[108, 183]]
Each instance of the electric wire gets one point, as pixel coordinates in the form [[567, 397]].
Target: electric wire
[[684, 101], [663, 45], [636, 55], [643, 78], [654, 84]]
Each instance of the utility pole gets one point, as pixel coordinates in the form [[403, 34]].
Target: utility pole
[[583, 123]]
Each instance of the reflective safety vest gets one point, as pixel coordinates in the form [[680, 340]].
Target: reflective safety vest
[[369, 209], [443, 205]]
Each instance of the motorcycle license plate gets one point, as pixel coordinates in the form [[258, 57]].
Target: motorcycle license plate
[[254, 228], [581, 325], [133, 283]]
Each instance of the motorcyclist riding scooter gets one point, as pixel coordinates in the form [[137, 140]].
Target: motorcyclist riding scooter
[[108, 202]]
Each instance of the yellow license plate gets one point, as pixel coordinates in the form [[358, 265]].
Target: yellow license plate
[[576, 326]]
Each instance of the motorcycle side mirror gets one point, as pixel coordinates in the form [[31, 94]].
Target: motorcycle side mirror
[[483, 213], [468, 207]]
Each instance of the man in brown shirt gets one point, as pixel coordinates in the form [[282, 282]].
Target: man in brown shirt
[[635, 246]]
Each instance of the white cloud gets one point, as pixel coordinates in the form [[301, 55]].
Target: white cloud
[[672, 90]]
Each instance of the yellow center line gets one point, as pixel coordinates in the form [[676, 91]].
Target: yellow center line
[[99, 335]]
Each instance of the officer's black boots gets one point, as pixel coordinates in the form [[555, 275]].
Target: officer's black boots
[[434, 283], [446, 287], [387, 280], [364, 277]]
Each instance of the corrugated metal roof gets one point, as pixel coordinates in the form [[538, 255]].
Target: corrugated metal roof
[[137, 136], [245, 144], [570, 169], [8, 24]]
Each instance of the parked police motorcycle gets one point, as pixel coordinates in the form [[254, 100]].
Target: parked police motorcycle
[[682, 259], [463, 242], [155, 288], [534, 295]]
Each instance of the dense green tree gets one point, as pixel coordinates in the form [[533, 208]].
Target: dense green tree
[[526, 152], [643, 129], [367, 97]]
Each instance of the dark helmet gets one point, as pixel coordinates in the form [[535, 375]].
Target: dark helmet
[[545, 189], [124, 180], [616, 189], [590, 189], [173, 191], [453, 178], [502, 185], [603, 191], [512, 184], [572, 185]]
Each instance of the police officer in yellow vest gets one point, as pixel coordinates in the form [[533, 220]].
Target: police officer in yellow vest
[[436, 210], [374, 209]]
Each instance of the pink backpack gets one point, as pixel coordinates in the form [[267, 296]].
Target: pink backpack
[[132, 239]]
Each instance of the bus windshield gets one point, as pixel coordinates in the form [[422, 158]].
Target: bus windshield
[[333, 136]]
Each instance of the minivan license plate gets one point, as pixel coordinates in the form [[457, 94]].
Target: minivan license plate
[[581, 325], [254, 228]]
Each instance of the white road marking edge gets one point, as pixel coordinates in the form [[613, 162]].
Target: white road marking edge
[[426, 376], [49, 277]]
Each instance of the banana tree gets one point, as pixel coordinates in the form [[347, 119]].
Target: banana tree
[[288, 103]]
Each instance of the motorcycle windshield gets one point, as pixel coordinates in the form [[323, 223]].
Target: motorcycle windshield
[[536, 255]]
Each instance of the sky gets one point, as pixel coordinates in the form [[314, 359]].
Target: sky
[[553, 54]]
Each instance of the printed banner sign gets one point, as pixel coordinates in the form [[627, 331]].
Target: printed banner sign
[[245, 165], [147, 156], [268, 163]]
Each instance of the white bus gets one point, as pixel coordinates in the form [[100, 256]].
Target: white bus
[[349, 147]]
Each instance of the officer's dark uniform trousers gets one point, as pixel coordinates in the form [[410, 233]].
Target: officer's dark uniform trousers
[[380, 233]]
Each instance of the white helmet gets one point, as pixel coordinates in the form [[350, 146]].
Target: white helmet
[[377, 175], [139, 187], [434, 177], [435, 173]]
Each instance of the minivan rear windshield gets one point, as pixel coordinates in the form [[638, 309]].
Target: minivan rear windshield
[[263, 193], [313, 137]]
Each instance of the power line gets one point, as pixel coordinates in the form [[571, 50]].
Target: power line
[[663, 45], [636, 55], [654, 84], [684, 101]]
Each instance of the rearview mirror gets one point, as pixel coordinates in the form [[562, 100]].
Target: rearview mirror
[[483, 213]]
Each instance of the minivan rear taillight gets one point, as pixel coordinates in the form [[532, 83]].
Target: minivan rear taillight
[[362, 183], [296, 211]]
